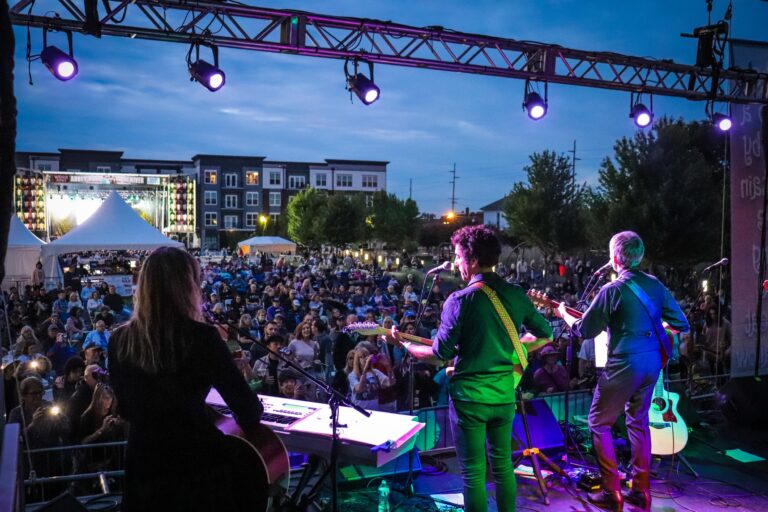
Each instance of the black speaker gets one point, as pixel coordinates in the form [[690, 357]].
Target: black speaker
[[745, 401], [64, 502], [545, 430]]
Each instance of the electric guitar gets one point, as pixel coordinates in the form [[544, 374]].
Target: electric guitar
[[374, 329], [262, 458], [669, 433]]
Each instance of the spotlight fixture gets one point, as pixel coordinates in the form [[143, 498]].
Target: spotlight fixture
[[61, 65], [722, 122], [363, 87], [533, 104], [640, 114], [208, 75]]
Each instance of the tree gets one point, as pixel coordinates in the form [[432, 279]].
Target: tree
[[665, 184], [392, 220], [305, 213], [344, 219], [549, 211]]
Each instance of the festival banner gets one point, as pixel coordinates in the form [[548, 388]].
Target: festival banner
[[747, 175]]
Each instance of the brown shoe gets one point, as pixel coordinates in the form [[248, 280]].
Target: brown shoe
[[608, 500], [640, 499]]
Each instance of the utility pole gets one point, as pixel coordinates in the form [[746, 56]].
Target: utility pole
[[573, 163], [453, 188]]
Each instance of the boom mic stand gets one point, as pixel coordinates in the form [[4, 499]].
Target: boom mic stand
[[335, 401]]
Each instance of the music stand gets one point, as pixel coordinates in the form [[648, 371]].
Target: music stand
[[534, 454]]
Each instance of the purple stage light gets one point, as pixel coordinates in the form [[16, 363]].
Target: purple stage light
[[364, 88], [535, 106], [209, 76], [641, 115], [722, 122], [61, 65]]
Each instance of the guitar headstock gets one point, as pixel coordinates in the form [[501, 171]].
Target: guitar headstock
[[366, 328], [541, 299]]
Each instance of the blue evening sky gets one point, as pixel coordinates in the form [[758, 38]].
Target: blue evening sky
[[135, 95]]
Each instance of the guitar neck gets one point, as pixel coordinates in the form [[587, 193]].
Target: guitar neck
[[416, 339]]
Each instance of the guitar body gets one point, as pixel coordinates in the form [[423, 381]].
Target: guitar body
[[262, 461], [669, 433]]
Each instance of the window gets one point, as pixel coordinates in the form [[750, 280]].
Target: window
[[343, 180], [321, 180], [370, 181], [291, 198], [297, 182], [274, 178], [274, 199], [230, 221], [44, 167], [251, 177], [251, 199], [230, 180], [210, 197], [251, 219], [274, 217], [209, 177], [369, 200], [230, 201], [103, 168], [211, 219]]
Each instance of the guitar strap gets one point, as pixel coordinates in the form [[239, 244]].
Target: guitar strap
[[653, 314], [509, 325]]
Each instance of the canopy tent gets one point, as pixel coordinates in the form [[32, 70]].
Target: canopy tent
[[115, 226], [273, 244], [22, 254]]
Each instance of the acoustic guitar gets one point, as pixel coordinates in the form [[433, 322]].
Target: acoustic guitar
[[669, 433], [262, 459]]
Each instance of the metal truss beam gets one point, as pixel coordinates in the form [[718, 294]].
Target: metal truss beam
[[234, 25]]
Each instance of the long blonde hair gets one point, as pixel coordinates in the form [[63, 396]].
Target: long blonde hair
[[168, 293]]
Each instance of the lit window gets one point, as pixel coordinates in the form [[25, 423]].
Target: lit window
[[211, 219], [252, 177], [209, 177]]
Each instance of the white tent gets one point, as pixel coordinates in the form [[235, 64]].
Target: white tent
[[22, 254], [115, 226], [273, 244]]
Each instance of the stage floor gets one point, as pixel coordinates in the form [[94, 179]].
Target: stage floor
[[724, 483]]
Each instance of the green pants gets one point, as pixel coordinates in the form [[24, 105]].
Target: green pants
[[473, 424]]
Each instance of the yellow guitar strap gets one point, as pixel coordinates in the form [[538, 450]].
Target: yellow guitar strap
[[506, 320]]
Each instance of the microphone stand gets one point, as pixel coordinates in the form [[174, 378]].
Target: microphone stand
[[423, 301], [335, 400]]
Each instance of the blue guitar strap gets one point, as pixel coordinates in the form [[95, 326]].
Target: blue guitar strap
[[654, 315]]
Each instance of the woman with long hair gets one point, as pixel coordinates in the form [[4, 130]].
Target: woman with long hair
[[162, 363]]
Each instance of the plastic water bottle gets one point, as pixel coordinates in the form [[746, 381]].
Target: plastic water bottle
[[384, 496]]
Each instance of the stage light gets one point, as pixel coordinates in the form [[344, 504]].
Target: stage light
[[722, 122], [363, 87], [209, 76], [535, 106], [641, 115], [61, 65]]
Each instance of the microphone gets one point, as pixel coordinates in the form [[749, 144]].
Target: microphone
[[446, 265], [723, 262], [602, 269]]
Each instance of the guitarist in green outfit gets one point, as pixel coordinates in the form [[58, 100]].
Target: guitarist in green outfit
[[479, 330]]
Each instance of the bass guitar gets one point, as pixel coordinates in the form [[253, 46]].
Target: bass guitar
[[262, 461], [669, 433]]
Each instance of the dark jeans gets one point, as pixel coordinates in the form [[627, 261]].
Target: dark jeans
[[474, 424], [627, 383]]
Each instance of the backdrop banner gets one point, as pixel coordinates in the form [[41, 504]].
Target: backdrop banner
[[747, 175]]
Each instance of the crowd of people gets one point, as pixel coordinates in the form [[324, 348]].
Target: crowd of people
[[269, 311]]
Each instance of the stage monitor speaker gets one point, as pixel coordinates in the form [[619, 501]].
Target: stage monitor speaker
[[355, 475], [64, 502], [545, 430], [745, 401]]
